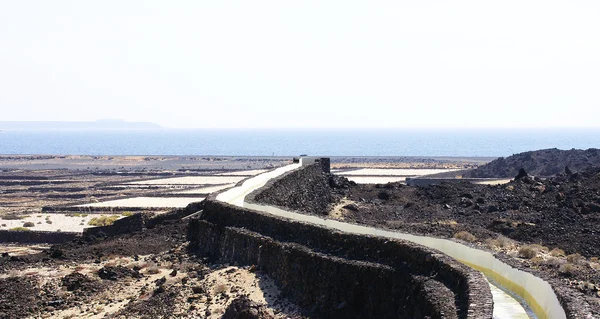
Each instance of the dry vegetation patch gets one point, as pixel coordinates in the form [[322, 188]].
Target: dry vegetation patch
[[103, 220], [466, 236]]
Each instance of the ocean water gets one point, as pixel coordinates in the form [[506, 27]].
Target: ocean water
[[396, 142]]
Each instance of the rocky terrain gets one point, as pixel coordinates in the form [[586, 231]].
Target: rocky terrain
[[549, 225], [148, 274], [542, 163]]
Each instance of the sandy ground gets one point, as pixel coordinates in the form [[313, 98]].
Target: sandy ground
[[64, 222], [338, 211], [259, 288], [22, 249], [193, 289], [148, 202], [191, 180]]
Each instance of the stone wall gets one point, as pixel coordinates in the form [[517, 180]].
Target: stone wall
[[325, 285], [446, 279], [125, 225], [140, 221], [34, 237], [175, 214]]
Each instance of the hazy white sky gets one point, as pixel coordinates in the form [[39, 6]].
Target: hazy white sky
[[303, 63]]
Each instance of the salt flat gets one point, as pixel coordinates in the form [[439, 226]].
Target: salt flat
[[191, 180], [205, 190], [166, 202], [376, 179], [394, 172], [243, 173], [61, 222]]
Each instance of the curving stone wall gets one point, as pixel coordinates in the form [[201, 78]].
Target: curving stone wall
[[329, 287], [422, 283]]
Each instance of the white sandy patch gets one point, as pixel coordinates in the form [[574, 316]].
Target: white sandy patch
[[375, 179], [109, 301], [191, 180], [22, 249], [220, 287], [163, 202], [60, 222], [338, 211], [205, 190], [395, 172], [232, 281], [243, 173], [67, 268]]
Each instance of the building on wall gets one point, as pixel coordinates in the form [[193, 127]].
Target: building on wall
[[307, 160]]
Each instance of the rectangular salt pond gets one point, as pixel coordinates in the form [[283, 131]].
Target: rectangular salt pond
[[375, 179], [394, 172], [162, 202], [191, 180], [205, 190], [243, 173], [61, 222]]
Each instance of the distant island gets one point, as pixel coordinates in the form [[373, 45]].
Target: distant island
[[84, 125]]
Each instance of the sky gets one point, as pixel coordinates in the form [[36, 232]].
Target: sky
[[303, 64]]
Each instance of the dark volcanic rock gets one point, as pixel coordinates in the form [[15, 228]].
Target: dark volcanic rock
[[19, 297], [307, 190], [56, 252], [383, 195], [548, 162], [562, 211], [117, 272], [352, 207], [522, 173], [76, 281], [336, 181], [160, 305], [244, 308]]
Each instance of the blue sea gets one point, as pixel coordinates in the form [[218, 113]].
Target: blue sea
[[340, 142]]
